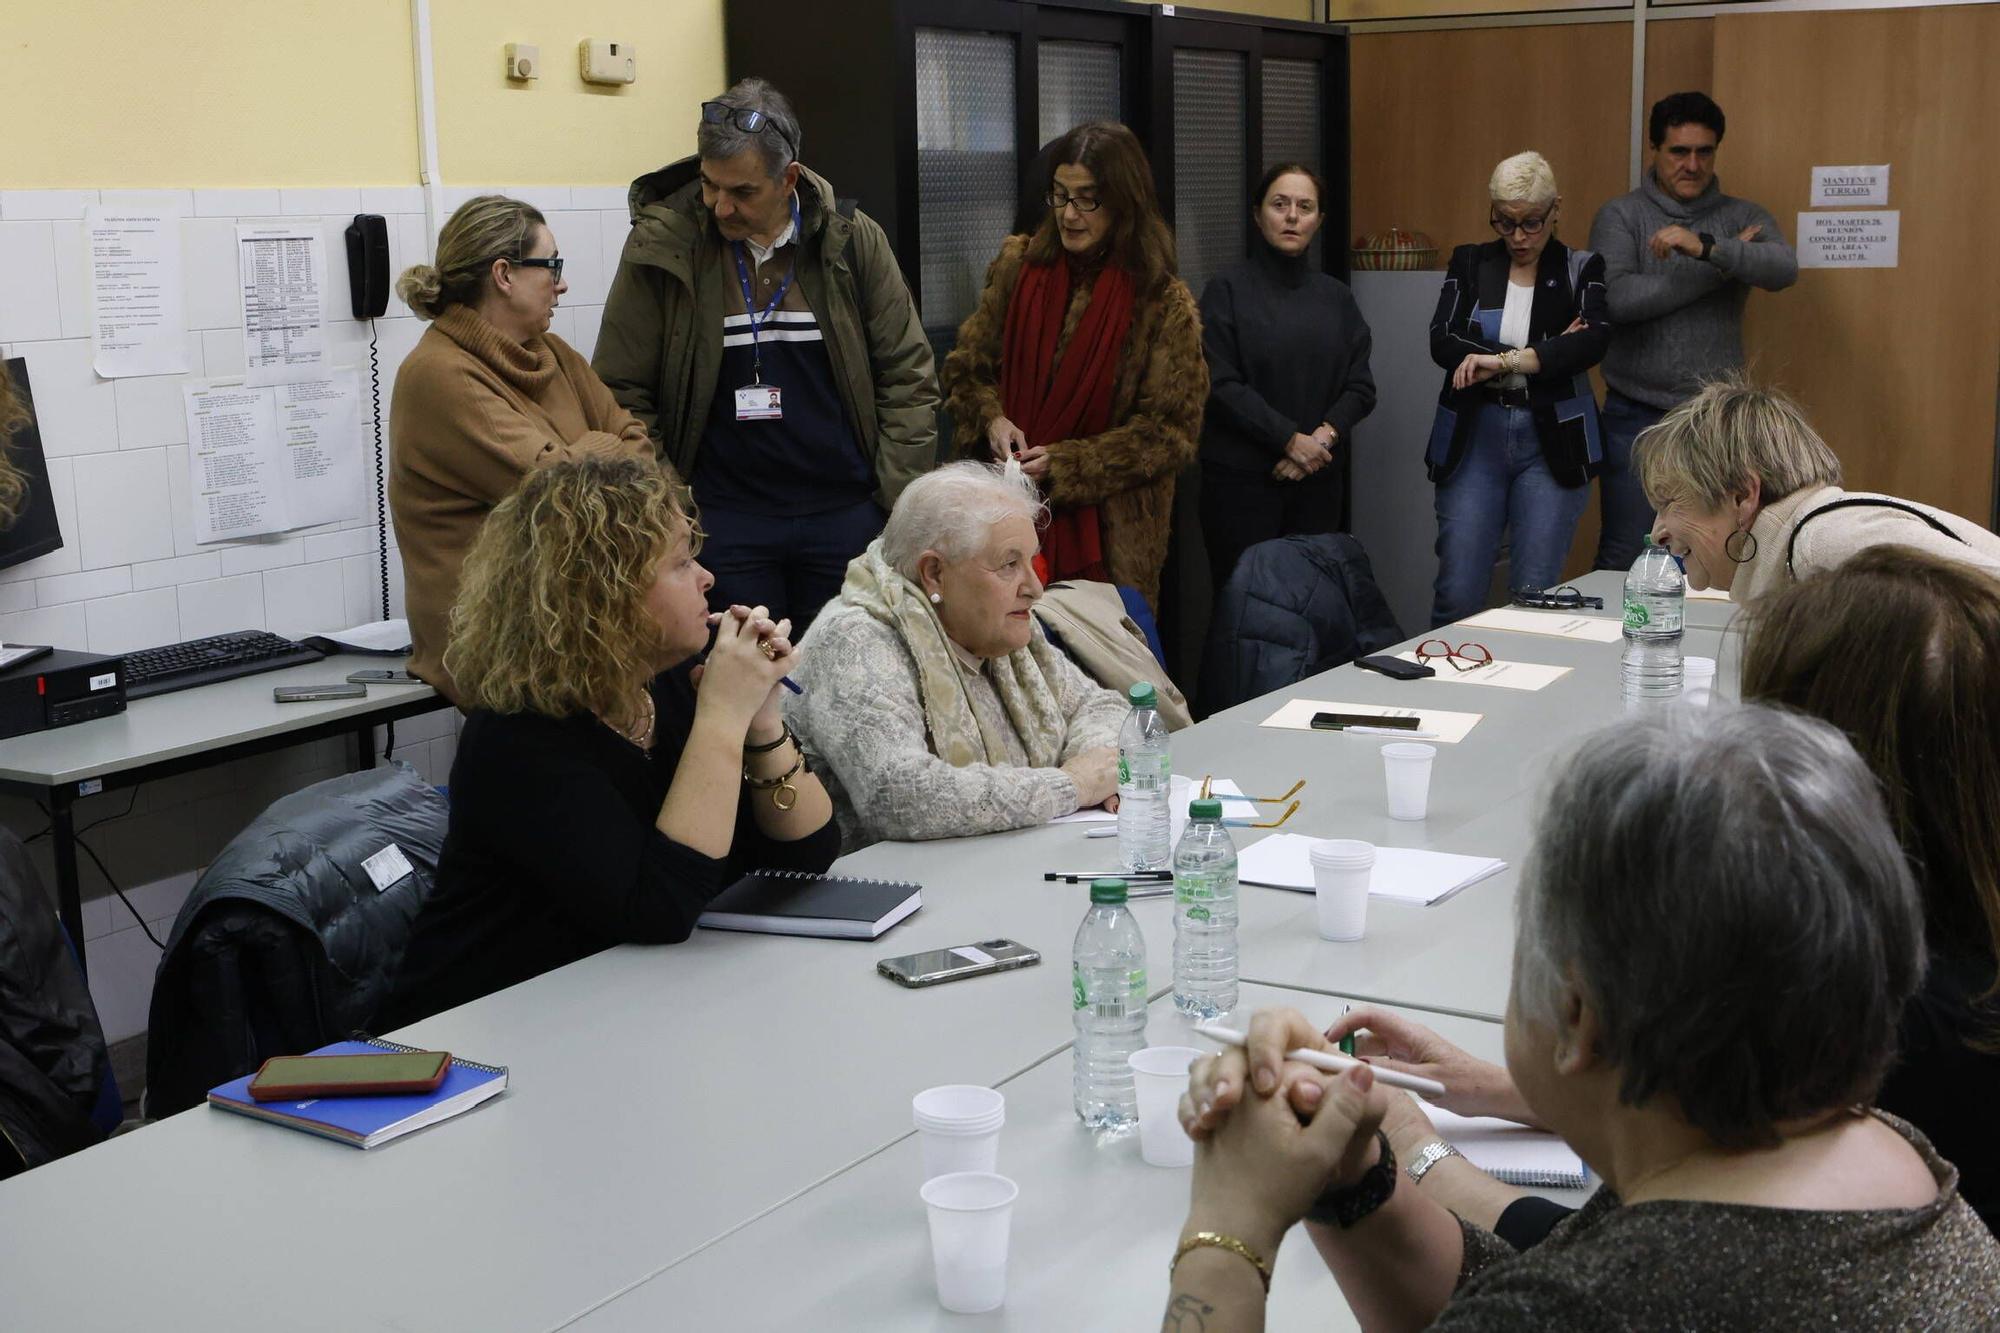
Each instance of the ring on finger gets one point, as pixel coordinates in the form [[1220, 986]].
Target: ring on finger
[[770, 649]]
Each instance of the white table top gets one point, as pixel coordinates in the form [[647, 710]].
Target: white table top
[[1092, 1230], [189, 722], [664, 1097]]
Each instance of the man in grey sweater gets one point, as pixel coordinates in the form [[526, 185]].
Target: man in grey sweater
[[1680, 258]]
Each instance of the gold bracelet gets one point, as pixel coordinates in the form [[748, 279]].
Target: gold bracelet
[[783, 794], [1222, 1242]]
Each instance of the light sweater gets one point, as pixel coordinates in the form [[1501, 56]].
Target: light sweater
[[861, 725], [1829, 542], [474, 411], [1680, 320]]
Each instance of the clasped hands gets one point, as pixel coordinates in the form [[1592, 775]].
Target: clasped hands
[[741, 675], [1306, 454], [1671, 239], [1273, 1134]]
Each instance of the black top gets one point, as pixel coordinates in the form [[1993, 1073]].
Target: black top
[[1287, 349], [552, 854], [1946, 1087], [1470, 306]]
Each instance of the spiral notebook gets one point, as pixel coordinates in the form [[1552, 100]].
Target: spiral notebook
[[1516, 1154], [792, 902], [364, 1122]]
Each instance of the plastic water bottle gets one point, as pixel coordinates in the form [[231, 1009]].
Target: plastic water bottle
[[1655, 594], [1205, 915], [1145, 784], [1108, 992]]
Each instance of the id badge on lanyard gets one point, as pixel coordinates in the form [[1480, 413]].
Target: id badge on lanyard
[[758, 401]]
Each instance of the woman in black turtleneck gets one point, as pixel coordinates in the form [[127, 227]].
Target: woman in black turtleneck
[[1288, 379]]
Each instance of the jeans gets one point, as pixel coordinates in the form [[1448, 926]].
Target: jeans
[[1502, 485], [1627, 515], [793, 565]]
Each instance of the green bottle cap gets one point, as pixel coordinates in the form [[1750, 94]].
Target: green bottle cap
[[1107, 891], [1142, 694], [1207, 809]]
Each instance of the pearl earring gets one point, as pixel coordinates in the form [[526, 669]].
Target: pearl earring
[[937, 599]]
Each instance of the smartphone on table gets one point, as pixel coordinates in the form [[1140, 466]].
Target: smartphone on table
[[937, 966], [293, 1078], [298, 694], [380, 676]]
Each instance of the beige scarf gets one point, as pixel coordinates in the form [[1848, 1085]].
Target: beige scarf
[[959, 734]]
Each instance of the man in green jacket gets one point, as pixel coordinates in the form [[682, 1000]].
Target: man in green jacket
[[766, 338]]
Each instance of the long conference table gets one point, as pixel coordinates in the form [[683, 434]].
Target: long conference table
[[717, 1134]]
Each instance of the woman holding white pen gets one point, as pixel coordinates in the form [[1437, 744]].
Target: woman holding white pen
[[1703, 1037]]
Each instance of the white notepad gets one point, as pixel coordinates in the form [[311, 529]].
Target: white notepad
[[1502, 674], [1403, 874], [1446, 728], [1530, 1158], [1558, 624]]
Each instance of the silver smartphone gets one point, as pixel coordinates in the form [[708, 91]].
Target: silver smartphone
[[937, 966], [298, 694]]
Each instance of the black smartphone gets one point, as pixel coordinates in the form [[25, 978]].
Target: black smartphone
[[298, 694], [937, 966], [380, 676], [1388, 665], [1336, 721]]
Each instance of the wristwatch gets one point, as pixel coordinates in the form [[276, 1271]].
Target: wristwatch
[[1344, 1207], [1429, 1156], [1707, 244]]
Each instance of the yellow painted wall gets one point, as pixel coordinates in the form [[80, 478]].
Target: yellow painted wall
[[559, 129], [208, 93]]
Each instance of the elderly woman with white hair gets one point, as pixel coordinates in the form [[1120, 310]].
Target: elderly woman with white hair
[[933, 706], [1515, 442], [1708, 1038], [1749, 496]]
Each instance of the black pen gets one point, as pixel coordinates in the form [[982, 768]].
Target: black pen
[[1085, 876]]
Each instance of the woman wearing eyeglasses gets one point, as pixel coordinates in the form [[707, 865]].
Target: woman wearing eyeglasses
[[1519, 324], [487, 394], [1084, 362]]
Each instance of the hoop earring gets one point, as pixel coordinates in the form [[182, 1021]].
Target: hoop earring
[[1730, 546]]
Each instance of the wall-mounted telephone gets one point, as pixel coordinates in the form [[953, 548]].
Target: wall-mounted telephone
[[368, 265]]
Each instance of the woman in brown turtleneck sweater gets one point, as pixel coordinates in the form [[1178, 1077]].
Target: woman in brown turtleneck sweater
[[487, 394]]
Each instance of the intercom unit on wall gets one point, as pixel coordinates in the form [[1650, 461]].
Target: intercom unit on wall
[[607, 62]]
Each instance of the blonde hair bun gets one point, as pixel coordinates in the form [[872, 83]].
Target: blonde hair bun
[[422, 289]]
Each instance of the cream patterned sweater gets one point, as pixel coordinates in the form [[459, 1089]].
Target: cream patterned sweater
[[861, 723]]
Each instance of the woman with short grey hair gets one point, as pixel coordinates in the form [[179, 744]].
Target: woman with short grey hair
[[1704, 1036], [933, 705], [1749, 496]]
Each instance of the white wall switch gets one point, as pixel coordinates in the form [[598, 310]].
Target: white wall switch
[[607, 62], [524, 61]]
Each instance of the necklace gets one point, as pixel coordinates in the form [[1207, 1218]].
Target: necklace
[[640, 733]]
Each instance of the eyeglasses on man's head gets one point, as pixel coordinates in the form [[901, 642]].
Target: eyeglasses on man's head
[[748, 119]]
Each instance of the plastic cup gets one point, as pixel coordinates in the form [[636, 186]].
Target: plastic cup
[[1160, 1074], [959, 1127], [1342, 869], [1408, 766], [970, 1214], [1698, 680]]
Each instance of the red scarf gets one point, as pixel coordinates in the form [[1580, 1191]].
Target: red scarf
[[1073, 402]]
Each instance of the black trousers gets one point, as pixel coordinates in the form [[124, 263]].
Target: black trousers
[[1238, 510], [794, 566]]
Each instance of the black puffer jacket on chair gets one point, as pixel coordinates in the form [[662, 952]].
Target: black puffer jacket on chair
[[288, 941], [1292, 608]]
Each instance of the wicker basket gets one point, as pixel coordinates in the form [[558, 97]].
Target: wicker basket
[[1395, 249]]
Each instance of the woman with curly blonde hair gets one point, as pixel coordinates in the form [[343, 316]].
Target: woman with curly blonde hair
[[13, 482], [604, 789]]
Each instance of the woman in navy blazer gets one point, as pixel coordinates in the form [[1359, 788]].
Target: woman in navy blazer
[[1519, 324]]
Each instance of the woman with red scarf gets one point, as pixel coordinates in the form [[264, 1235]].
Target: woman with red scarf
[[1084, 361]]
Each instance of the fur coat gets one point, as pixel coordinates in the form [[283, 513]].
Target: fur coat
[[1158, 393]]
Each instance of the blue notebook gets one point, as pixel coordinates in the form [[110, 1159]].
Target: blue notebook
[[367, 1121]]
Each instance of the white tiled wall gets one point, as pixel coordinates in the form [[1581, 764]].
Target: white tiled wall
[[129, 574]]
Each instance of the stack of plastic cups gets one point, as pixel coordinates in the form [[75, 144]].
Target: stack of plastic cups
[[959, 1127], [1342, 869]]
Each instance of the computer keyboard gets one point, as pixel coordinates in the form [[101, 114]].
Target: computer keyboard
[[182, 666]]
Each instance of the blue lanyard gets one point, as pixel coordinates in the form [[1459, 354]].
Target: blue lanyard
[[757, 320]]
